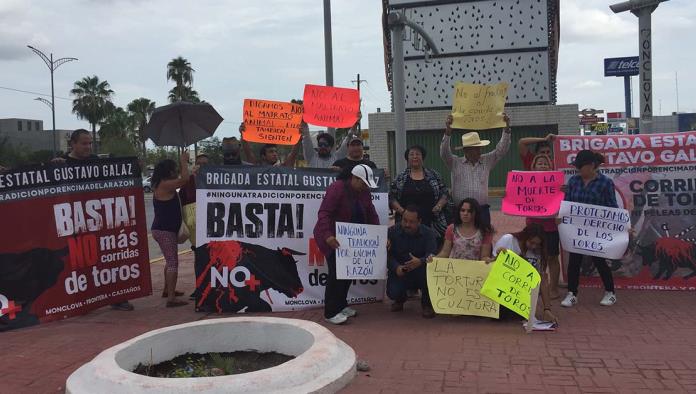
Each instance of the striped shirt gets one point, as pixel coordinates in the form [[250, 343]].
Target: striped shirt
[[471, 180]]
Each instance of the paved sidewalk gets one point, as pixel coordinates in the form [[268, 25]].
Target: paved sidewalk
[[645, 343]]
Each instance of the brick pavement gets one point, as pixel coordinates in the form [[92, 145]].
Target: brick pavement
[[643, 344]]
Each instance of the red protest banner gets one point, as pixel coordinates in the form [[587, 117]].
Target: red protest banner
[[272, 122], [74, 238], [331, 107], [533, 193]]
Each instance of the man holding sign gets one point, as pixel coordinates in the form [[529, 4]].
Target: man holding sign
[[411, 243], [470, 173]]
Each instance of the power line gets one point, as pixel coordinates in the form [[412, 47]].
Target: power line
[[26, 91]]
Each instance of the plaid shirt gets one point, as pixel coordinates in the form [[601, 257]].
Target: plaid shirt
[[471, 180], [599, 191]]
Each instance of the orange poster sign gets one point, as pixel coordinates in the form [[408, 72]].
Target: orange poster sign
[[272, 122], [331, 107]]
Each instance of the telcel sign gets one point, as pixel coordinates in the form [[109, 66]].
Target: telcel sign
[[621, 66]]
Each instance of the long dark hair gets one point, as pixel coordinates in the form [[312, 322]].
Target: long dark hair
[[485, 228], [163, 170], [530, 231]]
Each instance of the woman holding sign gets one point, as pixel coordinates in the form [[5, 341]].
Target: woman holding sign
[[530, 245], [590, 187], [346, 200], [542, 162], [469, 238]]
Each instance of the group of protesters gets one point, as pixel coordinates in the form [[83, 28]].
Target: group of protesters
[[431, 219], [427, 227]]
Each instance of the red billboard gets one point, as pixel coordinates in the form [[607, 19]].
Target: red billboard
[[74, 238]]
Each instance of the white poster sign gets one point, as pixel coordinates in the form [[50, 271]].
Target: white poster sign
[[594, 230], [362, 253]]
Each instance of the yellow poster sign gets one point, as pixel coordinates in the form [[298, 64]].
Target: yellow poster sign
[[510, 283], [478, 107], [455, 285]]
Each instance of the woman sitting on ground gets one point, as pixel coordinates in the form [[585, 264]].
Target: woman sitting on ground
[[530, 245], [468, 238]]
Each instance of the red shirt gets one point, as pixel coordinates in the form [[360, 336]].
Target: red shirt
[[527, 160]]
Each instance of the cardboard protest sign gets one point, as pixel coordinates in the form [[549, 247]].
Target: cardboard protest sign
[[510, 283], [331, 107], [256, 249], [74, 238], [533, 193], [478, 107], [272, 122], [594, 230], [363, 251], [455, 286]]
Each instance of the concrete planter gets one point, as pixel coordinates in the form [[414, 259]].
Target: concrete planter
[[323, 363]]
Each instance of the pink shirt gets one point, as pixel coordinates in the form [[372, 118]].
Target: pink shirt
[[467, 248]]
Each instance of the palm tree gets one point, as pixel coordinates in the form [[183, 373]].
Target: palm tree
[[184, 94], [141, 109], [92, 101], [180, 71]]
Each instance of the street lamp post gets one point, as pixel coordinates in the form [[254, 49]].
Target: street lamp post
[[643, 9], [52, 66], [397, 24]]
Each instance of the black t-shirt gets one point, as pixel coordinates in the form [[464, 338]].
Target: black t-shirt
[[346, 162], [419, 193]]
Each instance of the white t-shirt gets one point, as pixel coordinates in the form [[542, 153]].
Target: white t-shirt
[[508, 241]]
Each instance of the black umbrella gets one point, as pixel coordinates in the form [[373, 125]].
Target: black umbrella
[[182, 123]]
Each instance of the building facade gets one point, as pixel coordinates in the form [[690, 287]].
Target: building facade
[[29, 133], [482, 42]]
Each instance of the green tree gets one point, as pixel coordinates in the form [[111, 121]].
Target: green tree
[[118, 134], [213, 148], [92, 101], [180, 71], [160, 153], [141, 110], [186, 92]]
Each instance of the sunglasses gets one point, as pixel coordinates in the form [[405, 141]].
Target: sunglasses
[[323, 145]]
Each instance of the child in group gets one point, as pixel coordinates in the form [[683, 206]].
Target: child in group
[[551, 238], [530, 245], [469, 237]]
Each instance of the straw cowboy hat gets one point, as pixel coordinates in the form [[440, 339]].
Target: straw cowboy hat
[[470, 140]]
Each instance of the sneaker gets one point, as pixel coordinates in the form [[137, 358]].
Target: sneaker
[[570, 300], [397, 307], [349, 312], [609, 299], [340, 318]]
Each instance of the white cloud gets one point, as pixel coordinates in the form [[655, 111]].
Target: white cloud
[[581, 22], [588, 85]]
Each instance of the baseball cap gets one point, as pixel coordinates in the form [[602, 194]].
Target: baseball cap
[[354, 139], [364, 172]]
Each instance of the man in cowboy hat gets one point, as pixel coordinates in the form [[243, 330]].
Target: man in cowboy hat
[[470, 173]]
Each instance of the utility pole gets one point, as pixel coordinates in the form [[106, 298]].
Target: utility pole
[[328, 51], [397, 23], [52, 66], [358, 80], [643, 9]]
